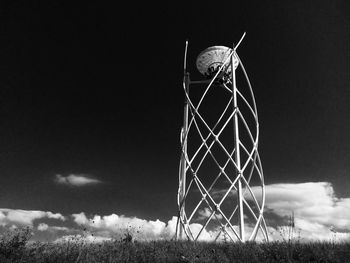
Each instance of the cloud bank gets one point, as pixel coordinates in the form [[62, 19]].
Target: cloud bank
[[25, 217], [117, 226], [76, 180], [319, 215], [46, 227]]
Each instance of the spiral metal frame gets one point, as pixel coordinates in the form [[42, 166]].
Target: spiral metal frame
[[247, 203]]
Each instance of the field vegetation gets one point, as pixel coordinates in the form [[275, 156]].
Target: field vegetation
[[15, 246]]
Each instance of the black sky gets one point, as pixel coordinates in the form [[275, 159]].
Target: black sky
[[95, 88]]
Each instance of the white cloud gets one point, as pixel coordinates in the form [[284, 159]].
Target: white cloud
[[117, 226], [96, 228], [319, 215], [59, 228], [113, 224], [57, 216], [205, 213], [76, 179], [46, 227], [80, 219], [204, 236], [315, 203], [25, 217], [316, 209], [2, 218], [43, 227]]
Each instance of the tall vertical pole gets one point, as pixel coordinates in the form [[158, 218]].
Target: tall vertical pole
[[183, 156], [237, 150]]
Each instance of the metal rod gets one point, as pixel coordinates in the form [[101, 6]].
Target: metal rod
[[199, 81], [237, 149], [239, 42], [183, 163], [183, 159], [185, 58]]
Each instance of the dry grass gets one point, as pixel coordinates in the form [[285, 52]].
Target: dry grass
[[14, 247]]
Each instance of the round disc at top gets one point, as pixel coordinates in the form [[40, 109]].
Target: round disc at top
[[210, 59]]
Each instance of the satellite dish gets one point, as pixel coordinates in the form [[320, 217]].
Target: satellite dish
[[211, 59]]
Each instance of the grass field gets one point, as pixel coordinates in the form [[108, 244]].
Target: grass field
[[15, 247]]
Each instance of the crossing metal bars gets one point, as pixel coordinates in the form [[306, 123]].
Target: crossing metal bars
[[222, 200]]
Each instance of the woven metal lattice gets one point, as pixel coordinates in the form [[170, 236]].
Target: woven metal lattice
[[221, 184]]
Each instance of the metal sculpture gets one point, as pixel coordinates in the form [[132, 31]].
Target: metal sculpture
[[221, 192]]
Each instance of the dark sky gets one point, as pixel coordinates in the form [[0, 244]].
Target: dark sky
[[95, 88]]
